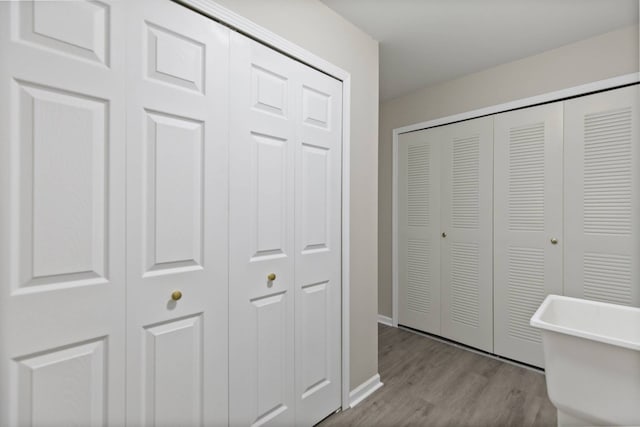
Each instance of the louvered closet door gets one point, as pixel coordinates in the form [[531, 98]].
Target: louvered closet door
[[419, 230], [62, 153], [602, 197], [176, 216], [318, 183], [467, 227], [527, 220], [262, 155]]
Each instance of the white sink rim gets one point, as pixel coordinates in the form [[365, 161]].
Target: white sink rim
[[541, 320]]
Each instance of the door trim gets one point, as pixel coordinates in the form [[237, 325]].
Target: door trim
[[585, 89], [243, 25]]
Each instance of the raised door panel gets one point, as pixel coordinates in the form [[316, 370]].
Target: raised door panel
[[261, 227], [177, 113], [467, 233], [527, 216], [269, 91], [62, 235], [74, 28], [175, 58], [269, 198], [63, 386], [317, 245], [62, 151], [419, 230], [173, 193], [174, 372], [316, 192], [602, 197], [315, 339], [271, 356]]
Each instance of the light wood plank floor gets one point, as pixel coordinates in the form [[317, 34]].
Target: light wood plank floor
[[429, 383]]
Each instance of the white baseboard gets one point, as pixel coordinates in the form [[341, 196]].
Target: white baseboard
[[364, 390], [385, 320]]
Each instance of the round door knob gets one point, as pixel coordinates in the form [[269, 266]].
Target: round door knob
[[554, 241], [271, 277], [444, 234], [176, 295]]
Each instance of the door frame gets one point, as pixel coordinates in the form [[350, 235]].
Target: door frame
[[559, 95], [243, 25]]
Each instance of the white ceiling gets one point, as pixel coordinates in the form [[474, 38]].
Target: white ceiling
[[423, 42]]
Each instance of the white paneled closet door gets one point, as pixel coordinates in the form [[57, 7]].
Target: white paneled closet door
[[419, 230], [176, 216], [467, 233], [602, 197], [262, 247], [62, 224], [318, 189], [527, 225], [285, 239]]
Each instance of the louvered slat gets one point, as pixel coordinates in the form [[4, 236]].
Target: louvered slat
[[418, 185], [464, 283], [607, 278], [418, 274], [607, 172], [525, 289], [526, 178], [465, 182]]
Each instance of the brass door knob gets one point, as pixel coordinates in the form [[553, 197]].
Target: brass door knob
[[271, 277], [444, 234], [176, 295], [554, 241]]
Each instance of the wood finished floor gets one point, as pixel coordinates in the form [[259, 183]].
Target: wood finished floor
[[429, 383]]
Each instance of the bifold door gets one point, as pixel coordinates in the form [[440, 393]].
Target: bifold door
[[467, 232], [528, 239], [419, 230], [562, 218], [62, 219], [121, 124], [602, 197], [284, 296], [317, 245], [445, 231], [177, 125], [261, 295]]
